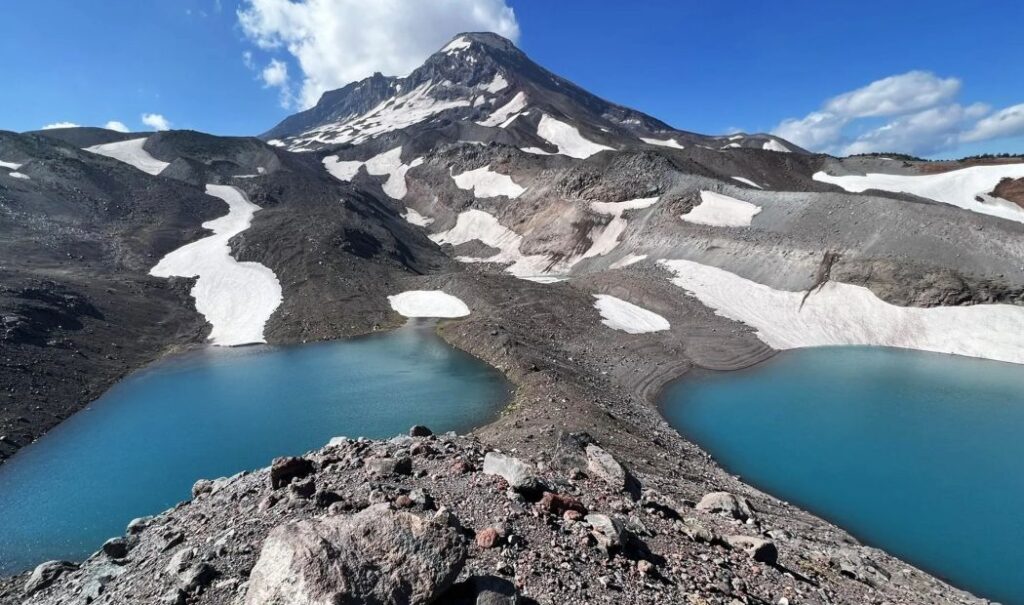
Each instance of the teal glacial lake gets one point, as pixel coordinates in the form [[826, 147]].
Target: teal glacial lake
[[138, 449], [919, 454]]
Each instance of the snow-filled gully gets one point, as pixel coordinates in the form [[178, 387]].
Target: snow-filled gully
[[236, 298]]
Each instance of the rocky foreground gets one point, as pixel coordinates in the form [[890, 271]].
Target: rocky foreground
[[443, 519]]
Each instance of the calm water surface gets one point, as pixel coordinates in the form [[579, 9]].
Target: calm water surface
[[139, 448], [920, 454]]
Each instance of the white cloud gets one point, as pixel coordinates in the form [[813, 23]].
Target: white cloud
[[923, 118], [156, 121], [894, 95], [60, 125], [275, 73], [115, 125], [1004, 123], [338, 41], [248, 61]]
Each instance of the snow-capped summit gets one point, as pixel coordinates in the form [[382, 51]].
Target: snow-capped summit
[[484, 80]]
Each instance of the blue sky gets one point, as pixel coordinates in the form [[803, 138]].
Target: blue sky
[[708, 67]]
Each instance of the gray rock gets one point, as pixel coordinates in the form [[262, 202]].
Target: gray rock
[[482, 590], [420, 431], [604, 465], [724, 502], [115, 548], [137, 525], [515, 472], [47, 573], [376, 556], [196, 577], [389, 466], [608, 531], [284, 469], [758, 548]]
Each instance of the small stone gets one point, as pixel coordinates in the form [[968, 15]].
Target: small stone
[[644, 567], [137, 525], [420, 431], [609, 532], [461, 467], [572, 515], [201, 487], [404, 501], [487, 537], [285, 469], [602, 464], [197, 577], [175, 596]]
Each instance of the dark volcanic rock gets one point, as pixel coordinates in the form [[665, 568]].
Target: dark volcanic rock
[[285, 469]]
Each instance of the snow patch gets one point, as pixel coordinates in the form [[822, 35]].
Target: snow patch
[[392, 114], [608, 238], [10, 165], [236, 298], [536, 151], [415, 218], [507, 112], [747, 181], [663, 143], [625, 261], [844, 314], [387, 164], [131, 152], [20, 175], [428, 303], [959, 188], [484, 182], [460, 43], [626, 317], [720, 210], [477, 225], [498, 84], [567, 138], [773, 145]]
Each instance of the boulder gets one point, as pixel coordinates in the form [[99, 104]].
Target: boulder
[[389, 466], [115, 548], [758, 548], [609, 532], [377, 556], [420, 431], [47, 573], [138, 525], [284, 469], [482, 590], [518, 474], [723, 502], [558, 504], [197, 577], [603, 465]]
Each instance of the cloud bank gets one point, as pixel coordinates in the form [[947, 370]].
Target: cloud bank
[[334, 42], [914, 113], [156, 121]]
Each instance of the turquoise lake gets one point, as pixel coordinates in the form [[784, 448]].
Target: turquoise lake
[[138, 449], [919, 454]]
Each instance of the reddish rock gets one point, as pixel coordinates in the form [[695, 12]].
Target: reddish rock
[[403, 501], [572, 515], [487, 537], [461, 467], [557, 504]]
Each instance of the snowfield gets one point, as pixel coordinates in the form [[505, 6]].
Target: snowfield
[[498, 84], [418, 105], [131, 152], [484, 182], [663, 143], [844, 314], [475, 224], [719, 210], [387, 164], [773, 145], [608, 238], [236, 298], [959, 188], [747, 181], [504, 115], [567, 138], [626, 317], [10, 165], [428, 303]]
